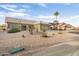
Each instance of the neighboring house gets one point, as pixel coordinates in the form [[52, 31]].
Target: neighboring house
[[61, 26], [76, 28], [22, 24], [3, 27], [70, 27]]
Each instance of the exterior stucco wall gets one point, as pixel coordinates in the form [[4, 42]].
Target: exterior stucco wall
[[14, 25]]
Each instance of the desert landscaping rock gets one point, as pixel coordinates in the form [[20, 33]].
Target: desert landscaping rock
[[31, 41]]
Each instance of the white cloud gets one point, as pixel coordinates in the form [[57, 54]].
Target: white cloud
[[12, 8], [14, 14], [20, 10], [27, 7], [2, 14], [9, 7], [51, 18], [45, 18], [42, 16], [74, 17], [42, 4]]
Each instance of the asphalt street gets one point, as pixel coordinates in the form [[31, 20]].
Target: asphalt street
[[70, 48]]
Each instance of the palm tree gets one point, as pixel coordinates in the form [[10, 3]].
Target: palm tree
[[56, 14], [56, 21]]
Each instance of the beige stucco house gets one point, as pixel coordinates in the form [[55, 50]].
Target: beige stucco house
[[24, 24]]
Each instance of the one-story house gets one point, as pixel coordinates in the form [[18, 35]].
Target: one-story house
[[24, 24]]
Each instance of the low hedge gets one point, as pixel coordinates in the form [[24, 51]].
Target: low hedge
[[14, 30]]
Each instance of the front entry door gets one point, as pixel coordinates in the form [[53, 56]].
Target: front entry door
[[23, 27]]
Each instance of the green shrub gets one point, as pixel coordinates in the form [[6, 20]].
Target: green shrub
[[14, 30]]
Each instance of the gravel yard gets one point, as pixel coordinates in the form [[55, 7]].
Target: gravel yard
[[8, 41]]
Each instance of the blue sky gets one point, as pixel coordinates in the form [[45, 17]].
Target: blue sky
[[69, 12]]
